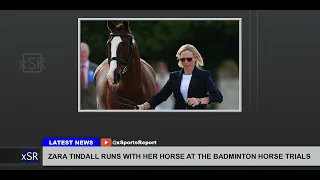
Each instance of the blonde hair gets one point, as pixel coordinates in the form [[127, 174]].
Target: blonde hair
[[196, 54]]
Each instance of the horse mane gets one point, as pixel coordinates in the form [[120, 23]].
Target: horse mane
[[120, 26]]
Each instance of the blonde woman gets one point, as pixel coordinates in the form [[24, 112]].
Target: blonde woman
[[192, 88]]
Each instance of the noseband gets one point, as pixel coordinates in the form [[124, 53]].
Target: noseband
[[132, 48], [125, 69]]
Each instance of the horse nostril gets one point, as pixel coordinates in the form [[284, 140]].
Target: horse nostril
[[117, 78]]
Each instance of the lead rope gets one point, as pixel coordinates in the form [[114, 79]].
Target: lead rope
[[134, 105]]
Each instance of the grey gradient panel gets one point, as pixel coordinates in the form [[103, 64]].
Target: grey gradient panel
[[288, 59], [283, 63], [45, 104]]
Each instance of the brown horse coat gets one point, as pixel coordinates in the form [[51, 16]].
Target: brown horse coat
[[137, 84], [138, 93]]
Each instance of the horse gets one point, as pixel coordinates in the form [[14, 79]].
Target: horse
[[123, 80]]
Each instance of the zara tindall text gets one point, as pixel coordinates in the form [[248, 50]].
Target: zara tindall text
[[226, 156]]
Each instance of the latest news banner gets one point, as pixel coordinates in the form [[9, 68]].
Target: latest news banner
[[109, 152]]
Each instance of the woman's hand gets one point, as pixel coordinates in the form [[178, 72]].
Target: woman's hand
[[144, 106], [141, 107], [193, 102]]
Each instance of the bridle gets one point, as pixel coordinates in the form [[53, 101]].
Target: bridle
[[132, 48], [126, 64]]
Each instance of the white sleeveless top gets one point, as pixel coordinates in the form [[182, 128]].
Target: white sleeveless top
[[185, 85]]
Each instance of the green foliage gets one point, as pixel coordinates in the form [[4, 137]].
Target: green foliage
[[160, 40]]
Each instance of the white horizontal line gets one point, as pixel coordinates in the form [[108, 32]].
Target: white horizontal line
[[157, 19]]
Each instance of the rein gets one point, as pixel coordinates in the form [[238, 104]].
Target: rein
[[115, 95]]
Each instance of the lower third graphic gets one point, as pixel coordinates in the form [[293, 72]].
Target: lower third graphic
[[32, 63]]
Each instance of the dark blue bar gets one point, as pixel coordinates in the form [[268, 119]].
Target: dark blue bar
[[30, 156], [71, 142]]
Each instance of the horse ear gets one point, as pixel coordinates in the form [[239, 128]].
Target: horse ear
[[125, 25], [111, 26]]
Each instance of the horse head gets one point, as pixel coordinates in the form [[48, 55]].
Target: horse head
[[121, 49], [130, 80]]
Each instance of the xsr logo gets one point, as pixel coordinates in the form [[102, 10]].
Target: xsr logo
[[32, 63], [29, 156]]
